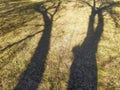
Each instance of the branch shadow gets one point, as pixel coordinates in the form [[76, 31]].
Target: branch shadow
[[32, 76], [15, 15], [83, 71]]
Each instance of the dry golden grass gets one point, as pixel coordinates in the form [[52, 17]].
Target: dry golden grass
[[69, 29]]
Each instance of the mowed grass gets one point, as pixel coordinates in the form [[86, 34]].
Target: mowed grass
[[19, 26]]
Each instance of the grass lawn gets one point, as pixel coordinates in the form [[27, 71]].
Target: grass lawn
[[56, 38]]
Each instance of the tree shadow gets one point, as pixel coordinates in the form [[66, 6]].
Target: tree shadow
[[83, 71], [32, 76]]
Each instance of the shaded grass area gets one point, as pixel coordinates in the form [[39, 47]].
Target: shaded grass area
[[14, 39], [15, 15], [69, 29]]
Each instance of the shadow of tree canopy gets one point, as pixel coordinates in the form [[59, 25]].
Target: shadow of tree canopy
[[83, 71], [32, 76], [14, 14]]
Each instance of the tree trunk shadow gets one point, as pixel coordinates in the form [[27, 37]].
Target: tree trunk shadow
[[32, 76], [83, 71]]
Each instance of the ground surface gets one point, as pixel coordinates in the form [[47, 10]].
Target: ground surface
[[40, 51]]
